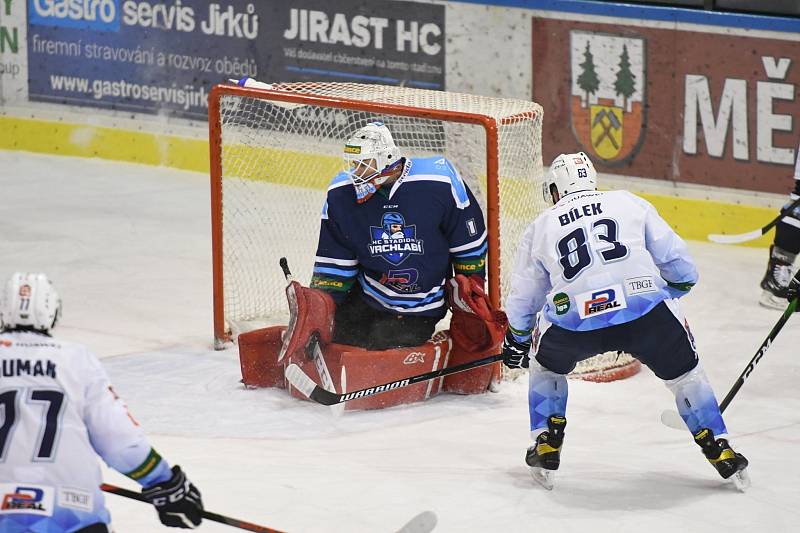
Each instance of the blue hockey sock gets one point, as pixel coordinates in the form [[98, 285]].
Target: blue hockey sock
[[547, 395], [696, 402]]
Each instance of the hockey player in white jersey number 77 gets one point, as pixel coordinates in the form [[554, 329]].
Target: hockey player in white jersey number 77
[[600, 272], [59, 413]]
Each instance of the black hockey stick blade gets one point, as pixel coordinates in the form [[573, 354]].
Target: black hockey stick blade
[[233, 522], [310, 389], [750, 235], [672, 419]]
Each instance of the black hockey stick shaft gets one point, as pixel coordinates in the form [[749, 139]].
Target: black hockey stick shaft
[[785, 211], [233, 522], [326, 397], [790, 310], [750, 235]]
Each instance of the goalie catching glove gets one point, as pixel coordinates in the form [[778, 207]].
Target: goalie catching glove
[[515, 353], [177, 501]]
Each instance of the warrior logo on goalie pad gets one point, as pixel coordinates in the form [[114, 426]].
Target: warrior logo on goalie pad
[[394, 240]]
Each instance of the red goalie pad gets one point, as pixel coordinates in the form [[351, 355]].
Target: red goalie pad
[[258, 357], [342, 368], [477, 330], [475, 325], [310, 311]]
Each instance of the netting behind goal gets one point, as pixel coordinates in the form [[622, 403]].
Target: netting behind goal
[[274, 152]]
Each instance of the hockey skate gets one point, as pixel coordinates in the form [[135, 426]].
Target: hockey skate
[[544, 457], [776, 279], [728, 463]]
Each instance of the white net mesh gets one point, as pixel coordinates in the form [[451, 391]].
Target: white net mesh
[[278, 158]]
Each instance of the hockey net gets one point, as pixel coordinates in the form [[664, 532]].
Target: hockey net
[[274, 151]]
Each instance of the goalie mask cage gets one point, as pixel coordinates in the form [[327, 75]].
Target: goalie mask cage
[[274, 152]]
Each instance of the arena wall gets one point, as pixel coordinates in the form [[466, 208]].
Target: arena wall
[[699, 116]]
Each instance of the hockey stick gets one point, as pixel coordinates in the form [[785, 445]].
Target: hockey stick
[[750, 235], [306, 385], [424, 522], [672, 419], [233, 522]]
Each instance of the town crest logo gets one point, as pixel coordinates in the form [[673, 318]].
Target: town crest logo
[[607, 100]]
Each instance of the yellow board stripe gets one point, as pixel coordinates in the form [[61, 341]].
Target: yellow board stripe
[[693, 219]]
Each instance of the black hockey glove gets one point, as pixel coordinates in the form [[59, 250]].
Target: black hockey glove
[[515, 353], [177, 501]]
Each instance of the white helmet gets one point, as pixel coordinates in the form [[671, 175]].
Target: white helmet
[[367, 153], [570, 173], [30, 301]]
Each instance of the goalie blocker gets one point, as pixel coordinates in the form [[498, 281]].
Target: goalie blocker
[[476, 330]]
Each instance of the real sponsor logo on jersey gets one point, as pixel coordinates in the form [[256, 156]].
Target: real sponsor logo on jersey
[[414, 357], [640, 285], [561, 301], [75, 498], [26, 498], [601, 301]]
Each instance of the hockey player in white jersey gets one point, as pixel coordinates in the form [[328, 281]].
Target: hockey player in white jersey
[[600, 272], [58, 413]]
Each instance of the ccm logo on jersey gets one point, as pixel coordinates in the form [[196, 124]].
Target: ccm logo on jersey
[[601, 301], [640, 285], [28, 499]]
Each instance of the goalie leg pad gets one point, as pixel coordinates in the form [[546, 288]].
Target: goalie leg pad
[[311, 311], [258, 357], [351, 368], [477, 330], [470, 342]]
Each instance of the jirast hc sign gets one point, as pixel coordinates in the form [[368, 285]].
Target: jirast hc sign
[[97, 15]]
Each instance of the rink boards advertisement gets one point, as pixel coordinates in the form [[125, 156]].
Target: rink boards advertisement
[[163, 57], [13, 63], [711, 107]]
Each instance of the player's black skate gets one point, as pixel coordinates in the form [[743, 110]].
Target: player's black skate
[[722, 457], [776, 279], [544, 457]]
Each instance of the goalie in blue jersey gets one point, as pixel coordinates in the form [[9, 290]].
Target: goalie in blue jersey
[[402, 240], [394, 230]]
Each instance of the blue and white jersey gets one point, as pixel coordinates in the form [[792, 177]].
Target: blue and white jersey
[[59, 414], [594, 260], [402, 244]]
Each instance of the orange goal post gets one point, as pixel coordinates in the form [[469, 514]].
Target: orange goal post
[[274, 149]]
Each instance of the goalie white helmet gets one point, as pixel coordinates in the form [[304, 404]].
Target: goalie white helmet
[[30, 301], [368, 153], [569, 173]]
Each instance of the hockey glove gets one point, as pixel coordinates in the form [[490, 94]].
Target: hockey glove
[[515, 353], [177, 501]]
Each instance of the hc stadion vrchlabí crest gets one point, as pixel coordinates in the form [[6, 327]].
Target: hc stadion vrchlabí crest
[[608, 94]]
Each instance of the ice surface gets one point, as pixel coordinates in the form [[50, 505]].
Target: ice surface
[[129, 248]]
